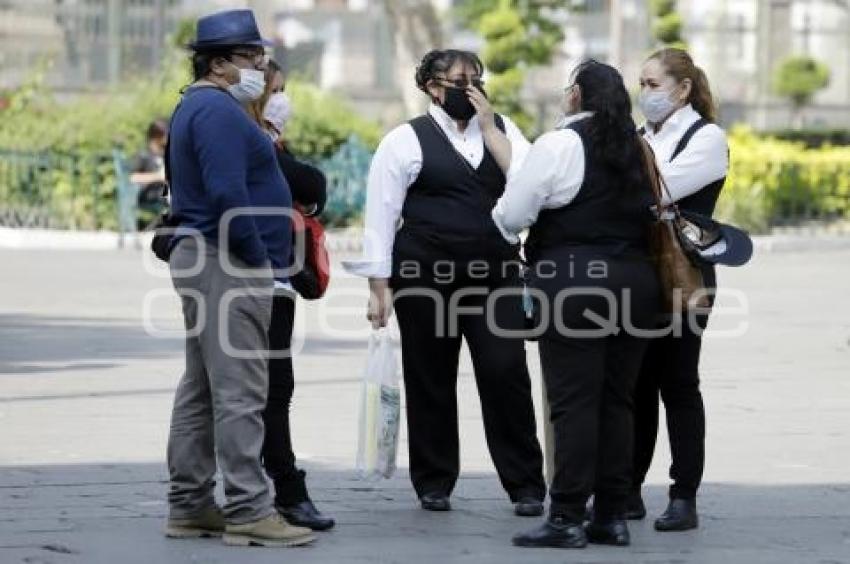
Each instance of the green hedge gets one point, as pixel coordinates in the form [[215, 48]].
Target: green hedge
[[812, 138], [80, 192], [773, 182], [57, 157]]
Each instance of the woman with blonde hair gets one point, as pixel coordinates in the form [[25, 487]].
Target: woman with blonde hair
[[693, 158], [308, 185]]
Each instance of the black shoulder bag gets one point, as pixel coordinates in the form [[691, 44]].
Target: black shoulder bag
[[166, 222]]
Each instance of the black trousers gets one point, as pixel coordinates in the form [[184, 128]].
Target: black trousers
[[671, 369], [430, 354], [590, 377], [278, 456], [590, 386]]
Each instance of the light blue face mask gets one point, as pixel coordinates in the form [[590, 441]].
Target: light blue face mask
[[567, 115], [656, 105], [250, 87]]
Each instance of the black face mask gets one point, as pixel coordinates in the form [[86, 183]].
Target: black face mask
[[457, 104]]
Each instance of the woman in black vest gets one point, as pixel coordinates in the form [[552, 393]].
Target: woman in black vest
[[440, 174], [583, 190], [693, 157]]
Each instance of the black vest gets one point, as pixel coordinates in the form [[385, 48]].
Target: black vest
[[449, 195], [605, 213], [703, 200]]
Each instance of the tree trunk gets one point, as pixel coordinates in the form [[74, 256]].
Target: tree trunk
[[416, 30], [797, 117]]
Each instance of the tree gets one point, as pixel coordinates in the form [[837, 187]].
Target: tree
[[666, 24], [517, 34], [798, 78], [416, 30]]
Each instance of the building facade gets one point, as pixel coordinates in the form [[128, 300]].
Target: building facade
[[90, 42], [348, 46], [739, 43]]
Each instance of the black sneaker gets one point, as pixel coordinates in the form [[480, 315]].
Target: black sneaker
[[435, 502], [681, 515], [305, 514], [528, 507], [556, 532], [614, 532]]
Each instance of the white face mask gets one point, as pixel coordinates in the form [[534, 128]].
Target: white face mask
[[656, 105], [250, 87], [277, 112], [567, 109]]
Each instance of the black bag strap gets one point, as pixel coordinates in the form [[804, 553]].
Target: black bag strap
[[686, 138]]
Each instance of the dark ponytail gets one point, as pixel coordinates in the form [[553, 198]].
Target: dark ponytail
[[612, 131]]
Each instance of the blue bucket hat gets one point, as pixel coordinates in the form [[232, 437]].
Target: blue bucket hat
[[228, 29], [715, 242]]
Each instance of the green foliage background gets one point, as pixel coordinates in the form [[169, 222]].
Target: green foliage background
[[798, 77], [517, 34], [773, 182], [57, 156], [666, 24], [73, 179]]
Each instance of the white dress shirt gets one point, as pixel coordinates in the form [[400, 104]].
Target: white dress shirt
[[549, 178], [395, 167], [704, 160], [278, 285]]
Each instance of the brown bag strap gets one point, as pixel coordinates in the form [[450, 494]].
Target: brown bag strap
[[656, 179], [652, 172]]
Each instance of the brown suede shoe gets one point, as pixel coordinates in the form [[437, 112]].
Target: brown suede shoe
[[270, 531], [208, 523]]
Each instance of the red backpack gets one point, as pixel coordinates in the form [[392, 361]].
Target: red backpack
[[311, 281]]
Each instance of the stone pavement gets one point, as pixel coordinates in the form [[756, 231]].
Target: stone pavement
[[85, 395]]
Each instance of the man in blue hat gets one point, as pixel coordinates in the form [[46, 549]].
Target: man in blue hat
[[223, 265]]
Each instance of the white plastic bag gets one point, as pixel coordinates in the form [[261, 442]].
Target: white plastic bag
[[380, 409]]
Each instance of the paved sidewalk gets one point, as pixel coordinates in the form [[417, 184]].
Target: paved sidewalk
[[85, 395]]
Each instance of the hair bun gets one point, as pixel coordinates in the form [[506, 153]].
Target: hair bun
[[425, 70]]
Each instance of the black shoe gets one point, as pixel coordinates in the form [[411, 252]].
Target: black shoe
[[305, 514], [614, 532], [435, 502], [681, 515], [635, 509], [556, 532], [528, 507]]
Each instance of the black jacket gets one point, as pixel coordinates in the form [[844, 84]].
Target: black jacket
[[308, 183]]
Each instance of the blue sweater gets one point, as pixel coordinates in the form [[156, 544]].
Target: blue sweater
[[219, 159]]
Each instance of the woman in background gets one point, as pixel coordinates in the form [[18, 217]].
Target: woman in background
[[308, 187]]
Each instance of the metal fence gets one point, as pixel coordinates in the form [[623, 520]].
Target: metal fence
[[346, 172], [55, 190]]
